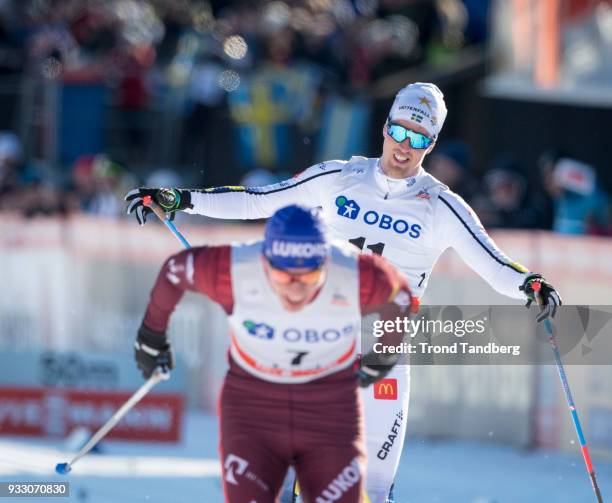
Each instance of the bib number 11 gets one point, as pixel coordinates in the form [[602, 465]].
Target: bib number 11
[[376, 248]]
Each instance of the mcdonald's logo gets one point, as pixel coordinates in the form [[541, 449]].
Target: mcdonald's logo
[[385, 389]]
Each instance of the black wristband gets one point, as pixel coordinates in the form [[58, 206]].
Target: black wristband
[[155, 340], [185, 202], [379, 361]]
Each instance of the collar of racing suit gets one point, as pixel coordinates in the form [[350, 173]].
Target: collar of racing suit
[[395, 186]]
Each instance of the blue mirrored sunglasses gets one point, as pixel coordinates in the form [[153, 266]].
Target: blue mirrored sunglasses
[[400, 133]]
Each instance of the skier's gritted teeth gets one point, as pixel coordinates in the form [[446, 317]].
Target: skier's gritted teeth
[[401, 157]]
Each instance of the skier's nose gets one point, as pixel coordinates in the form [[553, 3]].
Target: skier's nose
[[405, 144], [405, 147]]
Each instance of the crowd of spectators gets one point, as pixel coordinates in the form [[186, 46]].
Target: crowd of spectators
[[560, 193], [95, 185], [188, 82]]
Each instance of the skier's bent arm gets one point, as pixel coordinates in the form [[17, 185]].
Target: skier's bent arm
[[380, 284], [308, 189], [380, 288], [457, 226], [204, 270]]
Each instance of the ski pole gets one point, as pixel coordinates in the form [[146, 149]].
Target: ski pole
[[568, 397], [148, 201], [156, 377]]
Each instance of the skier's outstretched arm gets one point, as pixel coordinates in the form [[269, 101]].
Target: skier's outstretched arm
[[236, 202], [457, 226]]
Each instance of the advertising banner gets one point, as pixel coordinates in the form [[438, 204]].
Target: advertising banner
[[57, 412]]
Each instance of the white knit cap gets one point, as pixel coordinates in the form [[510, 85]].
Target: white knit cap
[[422, 103]]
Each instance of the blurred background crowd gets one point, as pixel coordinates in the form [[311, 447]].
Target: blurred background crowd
[[100, 97]]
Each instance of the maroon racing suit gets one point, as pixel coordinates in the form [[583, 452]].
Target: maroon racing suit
[[314, 426]]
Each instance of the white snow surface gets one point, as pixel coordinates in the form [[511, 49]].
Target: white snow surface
[[436, 472]]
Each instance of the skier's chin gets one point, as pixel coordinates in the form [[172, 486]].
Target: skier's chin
[[294, 304], [398, 168]]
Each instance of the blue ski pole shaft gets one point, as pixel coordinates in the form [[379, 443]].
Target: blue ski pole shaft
[[148, 201], [570, 401]]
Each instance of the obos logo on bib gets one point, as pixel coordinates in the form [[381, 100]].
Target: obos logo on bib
[[349, 208]]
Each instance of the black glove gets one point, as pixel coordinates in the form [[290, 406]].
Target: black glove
[[152, 350], [170, 200], [548, 295], [374, 367]]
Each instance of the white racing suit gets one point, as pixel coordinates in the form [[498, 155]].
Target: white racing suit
[[409, 222]]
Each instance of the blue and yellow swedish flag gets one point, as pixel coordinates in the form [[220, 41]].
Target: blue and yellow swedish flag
[[265, 106], [344, 129]]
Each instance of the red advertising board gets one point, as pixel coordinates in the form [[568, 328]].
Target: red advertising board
[[55, 411]]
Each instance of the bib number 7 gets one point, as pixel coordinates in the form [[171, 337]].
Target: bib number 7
[[297, 360]]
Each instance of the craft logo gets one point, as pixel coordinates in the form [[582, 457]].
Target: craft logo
[[259, 330], [423, 194], [391, 437], [347, 208], [385, 389], [411, 181]]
